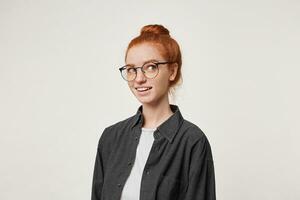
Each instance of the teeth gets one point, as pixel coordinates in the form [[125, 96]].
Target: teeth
[[142, 89]]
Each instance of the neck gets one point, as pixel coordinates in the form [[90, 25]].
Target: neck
[[154, 115]]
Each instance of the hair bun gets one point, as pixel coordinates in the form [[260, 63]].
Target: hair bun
[[155, 29]]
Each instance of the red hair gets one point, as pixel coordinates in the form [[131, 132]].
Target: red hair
[[159, 36]]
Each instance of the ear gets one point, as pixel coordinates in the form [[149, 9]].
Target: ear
[[173, 69]]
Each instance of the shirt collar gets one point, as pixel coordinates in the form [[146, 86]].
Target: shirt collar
[[168, 128]]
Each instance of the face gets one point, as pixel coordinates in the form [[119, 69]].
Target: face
[[136, 57]]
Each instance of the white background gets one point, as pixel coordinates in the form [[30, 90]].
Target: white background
[[60, 87]]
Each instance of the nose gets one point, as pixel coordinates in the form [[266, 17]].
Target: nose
[[140, 75]]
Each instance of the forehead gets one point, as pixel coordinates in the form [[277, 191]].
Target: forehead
[[141, 53]]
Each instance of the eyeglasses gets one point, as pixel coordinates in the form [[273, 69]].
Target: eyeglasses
[[149, 69]]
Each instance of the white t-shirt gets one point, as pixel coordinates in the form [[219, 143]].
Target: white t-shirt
[[131, 189]]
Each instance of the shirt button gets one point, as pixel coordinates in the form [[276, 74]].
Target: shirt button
[[129, 163], [147, 172], [119, 184], [136, 137]]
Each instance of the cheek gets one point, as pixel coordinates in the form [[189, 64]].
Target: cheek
[[161, 84], [163, 78], [129, 84]]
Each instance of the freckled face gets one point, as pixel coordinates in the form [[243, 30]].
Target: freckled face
[[137, 56]]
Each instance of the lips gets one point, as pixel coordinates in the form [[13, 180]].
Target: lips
[[142, 89]]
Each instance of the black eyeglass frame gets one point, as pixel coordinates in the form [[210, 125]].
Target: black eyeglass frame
[[136, 68]]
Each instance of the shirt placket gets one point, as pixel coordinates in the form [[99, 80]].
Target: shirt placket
[[147, 181], [149, 173]]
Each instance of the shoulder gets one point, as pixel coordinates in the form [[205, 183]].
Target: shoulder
[[193, 131], [193, 135], [124, 123], [199, 140], [111, 131]]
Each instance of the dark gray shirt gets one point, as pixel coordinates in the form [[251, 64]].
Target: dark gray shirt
[[179, 167]]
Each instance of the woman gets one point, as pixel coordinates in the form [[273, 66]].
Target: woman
[[155, 154]]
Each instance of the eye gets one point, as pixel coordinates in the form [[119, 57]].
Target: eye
[[150, 67], [130, 70]]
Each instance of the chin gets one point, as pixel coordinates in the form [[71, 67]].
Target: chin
[[145, 100], [148, 100]]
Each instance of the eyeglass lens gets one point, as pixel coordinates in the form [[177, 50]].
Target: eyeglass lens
[[150, 70]]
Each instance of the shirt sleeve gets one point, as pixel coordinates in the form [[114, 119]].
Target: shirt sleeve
[[98, 174], [201, 185]]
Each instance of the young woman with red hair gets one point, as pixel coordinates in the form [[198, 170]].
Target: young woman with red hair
[[155, 154]]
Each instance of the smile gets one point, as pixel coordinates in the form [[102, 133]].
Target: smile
[[143, 89]]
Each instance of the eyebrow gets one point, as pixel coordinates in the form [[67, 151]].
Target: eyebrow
[[151, 60]]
